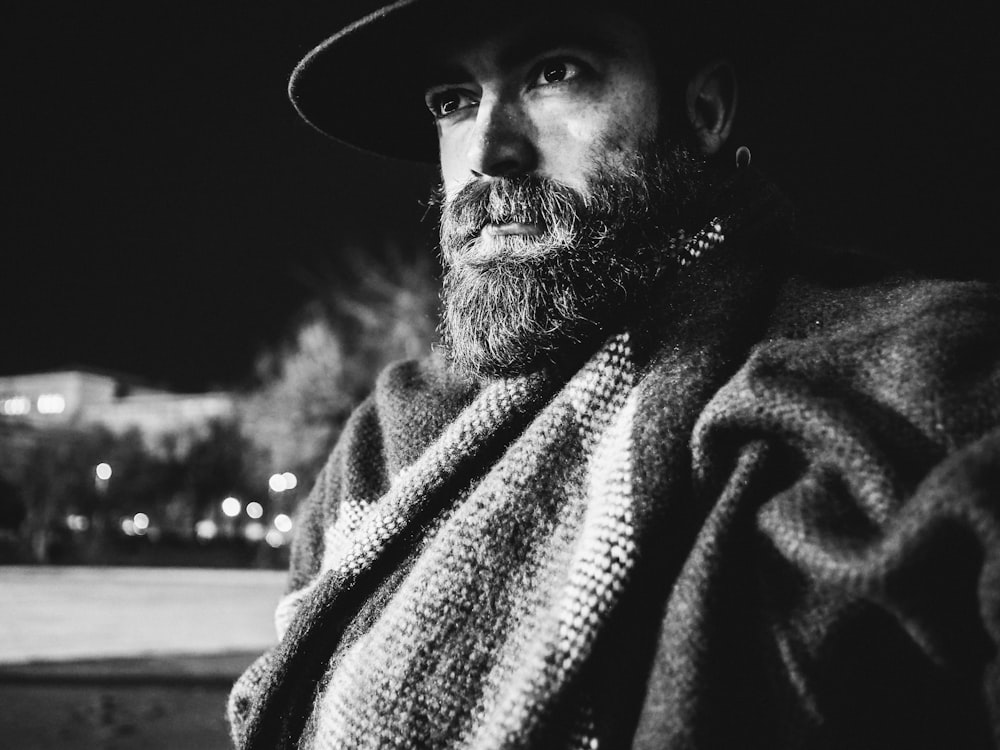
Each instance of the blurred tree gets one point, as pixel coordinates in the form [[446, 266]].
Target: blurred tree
[[174, 483], [12, 510], [372, 309], [138, 482], [217, 462], [56, 478]]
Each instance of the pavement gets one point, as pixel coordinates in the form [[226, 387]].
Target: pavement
[[69, 613], [120, 658], [113, 717]]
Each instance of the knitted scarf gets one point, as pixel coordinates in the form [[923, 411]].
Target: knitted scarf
[[515, 577], [512, 537], [492, 574]]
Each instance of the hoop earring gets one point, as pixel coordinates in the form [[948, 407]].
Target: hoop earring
[[742, 157]]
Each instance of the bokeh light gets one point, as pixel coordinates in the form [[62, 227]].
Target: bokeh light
[[291, 481], [140, 521], [76, 522], [283, 523], [103, 471], [51, 403], [206, 529], [231, 507], [277, 483], [254, 531], [16, 406], [274, 538], [255, 510]]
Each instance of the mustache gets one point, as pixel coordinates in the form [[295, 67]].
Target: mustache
[[525, 199]]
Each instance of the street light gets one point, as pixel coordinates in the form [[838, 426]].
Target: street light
[[283, 523], [277, 483], [206, 529], [283, 482]]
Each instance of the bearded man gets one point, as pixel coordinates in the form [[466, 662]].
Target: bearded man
[[666, 485]]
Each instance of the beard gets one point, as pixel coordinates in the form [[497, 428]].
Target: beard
[[513, 304]]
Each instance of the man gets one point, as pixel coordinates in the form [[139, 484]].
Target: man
[[667, 485]]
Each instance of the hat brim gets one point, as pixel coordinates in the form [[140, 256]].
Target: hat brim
[[362, 86]]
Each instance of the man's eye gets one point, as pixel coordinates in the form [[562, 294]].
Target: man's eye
[[556, 71], [444, 103]]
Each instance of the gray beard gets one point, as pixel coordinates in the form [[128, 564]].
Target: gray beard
[[516, 304]]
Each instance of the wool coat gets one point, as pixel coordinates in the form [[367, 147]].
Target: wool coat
[[765, 513]]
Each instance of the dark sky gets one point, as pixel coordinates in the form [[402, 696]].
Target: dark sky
[[168, 212]]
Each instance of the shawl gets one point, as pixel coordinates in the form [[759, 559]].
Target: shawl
[[766, 515]]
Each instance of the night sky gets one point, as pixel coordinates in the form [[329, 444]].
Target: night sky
[[171, 212], [167, 212]]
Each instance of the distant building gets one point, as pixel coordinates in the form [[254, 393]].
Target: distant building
[[117, 402]]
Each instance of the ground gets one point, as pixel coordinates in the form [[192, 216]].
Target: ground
[[116, 658]]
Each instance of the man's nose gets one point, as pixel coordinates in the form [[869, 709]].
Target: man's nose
[[502, 143]]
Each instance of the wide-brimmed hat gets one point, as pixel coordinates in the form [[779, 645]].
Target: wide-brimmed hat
[[878, 111], [363, 84]]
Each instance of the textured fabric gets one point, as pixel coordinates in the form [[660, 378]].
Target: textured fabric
[[765, 516]]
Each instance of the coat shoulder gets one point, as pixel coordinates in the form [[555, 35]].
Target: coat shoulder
[[845, 292]]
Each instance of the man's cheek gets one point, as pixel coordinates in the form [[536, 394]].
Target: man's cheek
[[454, 174]]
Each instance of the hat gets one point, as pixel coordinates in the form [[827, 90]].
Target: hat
[[363, 85]]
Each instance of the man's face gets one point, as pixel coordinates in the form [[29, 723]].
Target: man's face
[[544, 96], [555, 179]]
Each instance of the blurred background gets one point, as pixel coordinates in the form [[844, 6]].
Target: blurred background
[[198, 288]]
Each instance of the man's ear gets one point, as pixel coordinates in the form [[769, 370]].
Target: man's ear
[[711, 105]]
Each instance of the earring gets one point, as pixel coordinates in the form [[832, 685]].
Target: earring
[[742, 157]]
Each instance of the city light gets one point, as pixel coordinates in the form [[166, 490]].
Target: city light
[[283, 523], [231, 507], [255, 510], [282, 482], [274, 538], [140, 521], [103, 472], [206, 529], [50, 403], [254, 531], [76, 522], [16, 406]]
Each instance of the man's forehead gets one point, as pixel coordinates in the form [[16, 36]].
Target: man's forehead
[[513, 41]]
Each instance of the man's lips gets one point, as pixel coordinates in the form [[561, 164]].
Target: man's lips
[[511, 229], [489, 246]]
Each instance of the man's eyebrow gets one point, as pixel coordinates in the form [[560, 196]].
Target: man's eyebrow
[[525, 49]]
